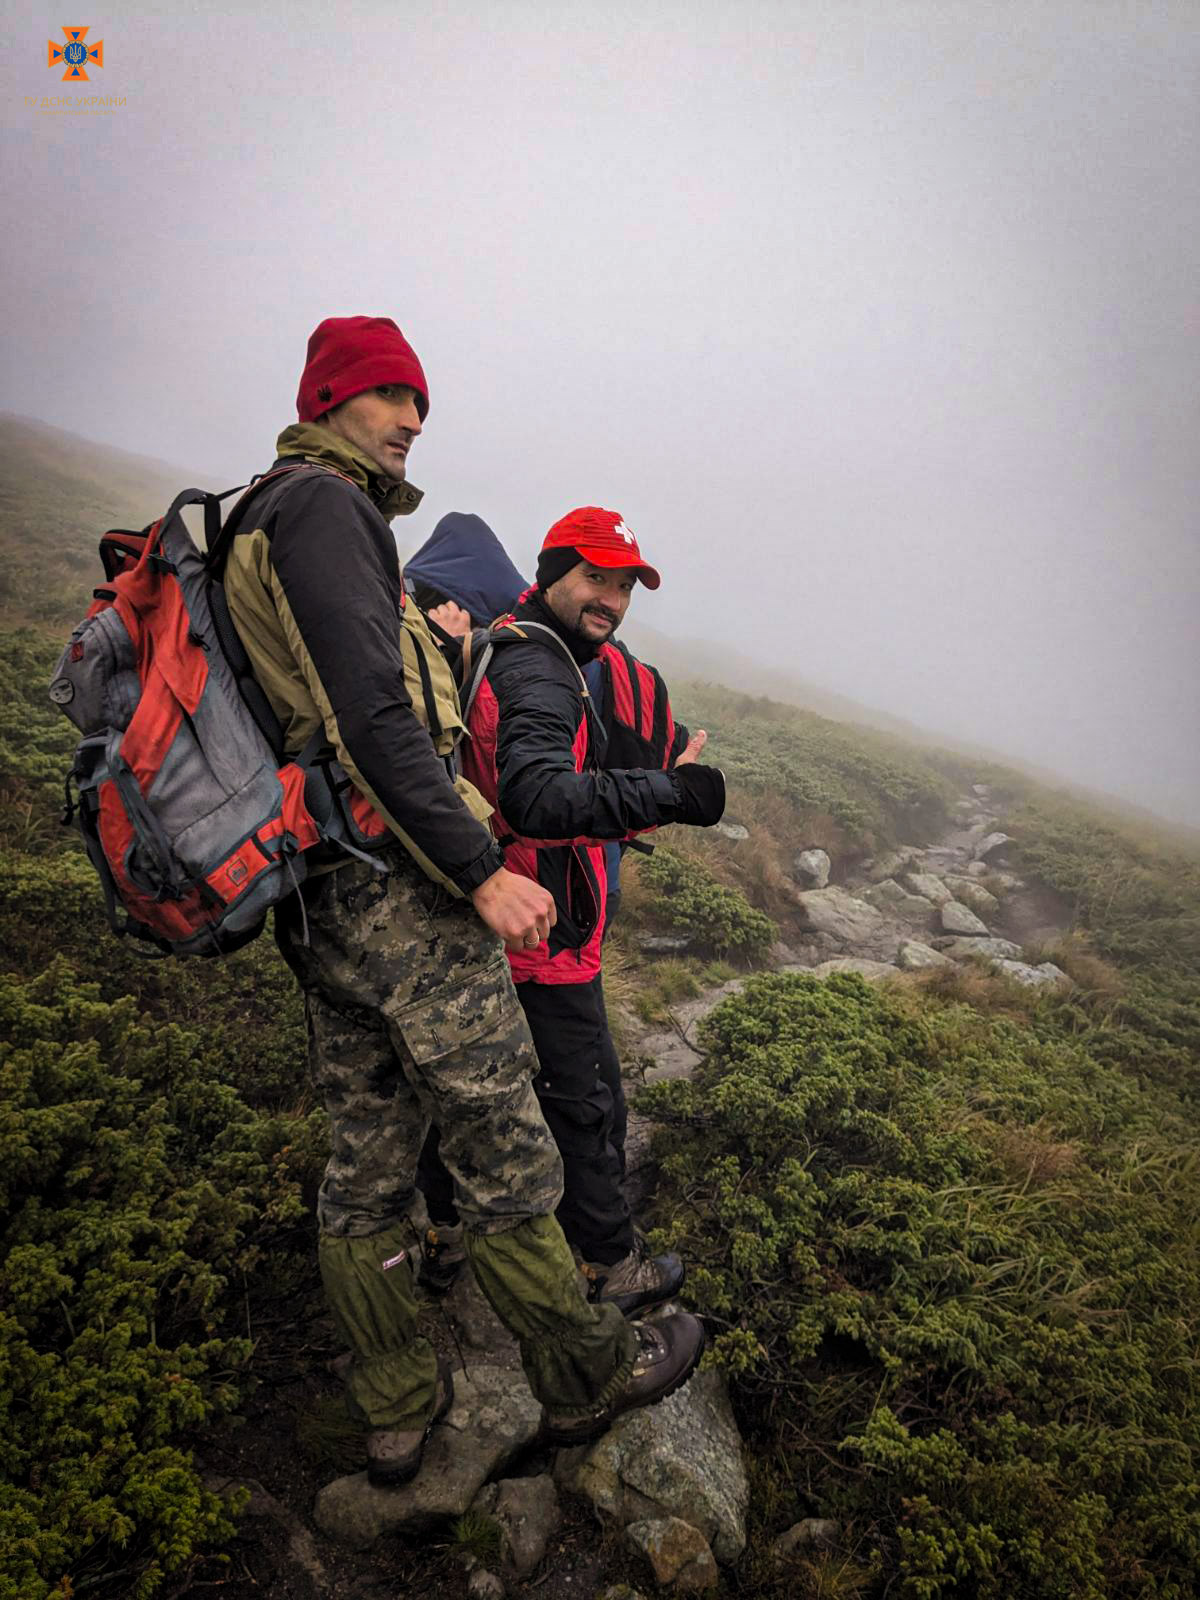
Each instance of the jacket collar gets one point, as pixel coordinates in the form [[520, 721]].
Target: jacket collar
[[312, 442]]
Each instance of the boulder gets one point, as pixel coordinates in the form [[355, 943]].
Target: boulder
[[526, 1510], [976, 869], [957, 918], [812, 868], [493, 1418], [912, 956], [664, 944], [891, 899], [993, 949], [733, 831], [889, 865], [1033, 977], [839, 914], [969, 893], [982, 791], [929, 886], [860, 964], [676, 1554], [681, 1458], [991, 844]]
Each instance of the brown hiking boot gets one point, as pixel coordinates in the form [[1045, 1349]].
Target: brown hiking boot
[[637, 1283], [442, 1257], [394, 1454], [667, 1355]]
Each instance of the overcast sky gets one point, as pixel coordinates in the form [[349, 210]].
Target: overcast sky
[[879, 322]]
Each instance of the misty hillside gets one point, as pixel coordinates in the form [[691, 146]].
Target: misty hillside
[[912, 1044]]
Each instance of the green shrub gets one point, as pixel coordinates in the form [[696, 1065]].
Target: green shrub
[[685, 895], [137, 1191], [953, 1270]]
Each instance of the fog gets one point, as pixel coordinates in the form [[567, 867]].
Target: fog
[[878, 322]]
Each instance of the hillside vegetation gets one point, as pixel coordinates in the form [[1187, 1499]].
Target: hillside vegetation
[[944, 1232]]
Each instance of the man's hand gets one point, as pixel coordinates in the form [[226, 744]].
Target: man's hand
[[452, 619], [691, 750], [516, 908]]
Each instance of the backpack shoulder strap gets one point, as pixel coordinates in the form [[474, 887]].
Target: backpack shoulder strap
[[218, 538]]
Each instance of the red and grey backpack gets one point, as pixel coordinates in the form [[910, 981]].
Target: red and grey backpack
[[194, 818]]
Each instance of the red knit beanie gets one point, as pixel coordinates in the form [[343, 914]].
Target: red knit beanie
[[349, 354]]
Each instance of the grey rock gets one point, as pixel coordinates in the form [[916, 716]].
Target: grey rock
[[912, 956], [839, 914], [982, 790], [812, 867], [969, 893], [929, 886], [527, 1512], [958, 949], [485, 1585], [976, 869], [1033, 977], [493, 1417], [891, 899], [991, 844], [681, 1458], [308, 1578], [891, 864], [676, 1554], [664, 944], [860, 964], [733, 831], [957, 918], [820, 1533]]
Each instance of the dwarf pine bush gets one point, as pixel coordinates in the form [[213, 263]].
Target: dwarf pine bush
[[953, 1270], [686, 895]]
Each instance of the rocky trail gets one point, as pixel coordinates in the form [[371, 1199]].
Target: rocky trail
[[659, 1504]]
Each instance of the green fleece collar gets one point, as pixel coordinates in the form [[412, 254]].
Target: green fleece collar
[[315, 443]]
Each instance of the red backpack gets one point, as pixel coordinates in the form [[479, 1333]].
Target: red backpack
[[194, 818]]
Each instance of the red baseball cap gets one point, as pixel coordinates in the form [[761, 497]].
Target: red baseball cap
[[349, 354], [602, 539]]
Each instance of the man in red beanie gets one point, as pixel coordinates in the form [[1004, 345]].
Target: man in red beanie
[[535, 753], [411, 1010]]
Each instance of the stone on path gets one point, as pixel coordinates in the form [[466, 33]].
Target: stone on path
[[990, 844], [982, 790], [957, 918], [890, 865], [835, 912], [527, 1512], [812, 868], [676, 1554], [959, 949], [890, 898], [928, 885], [494, 1416], [681, 1458], [976, 869], [969, 893], [485, 1585], [733, 831], [860, 964], [913, 956]]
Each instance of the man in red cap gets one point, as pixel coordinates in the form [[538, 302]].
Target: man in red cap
[[411, 1010], [535, 752]]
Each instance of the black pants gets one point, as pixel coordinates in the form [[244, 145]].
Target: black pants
[[578, 1085]]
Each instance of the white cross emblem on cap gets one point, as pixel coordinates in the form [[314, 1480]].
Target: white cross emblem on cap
[[623, 531]]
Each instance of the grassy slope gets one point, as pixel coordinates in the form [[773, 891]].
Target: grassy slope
[[947, 1239]]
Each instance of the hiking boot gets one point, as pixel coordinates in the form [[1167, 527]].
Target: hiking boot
[[638, 1282], [667, 1355], [442, 1257], [394, 1454]]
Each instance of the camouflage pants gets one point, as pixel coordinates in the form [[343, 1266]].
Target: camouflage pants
[[412, 1018]]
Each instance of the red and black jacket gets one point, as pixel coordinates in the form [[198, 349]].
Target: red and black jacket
[[535, 753]]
